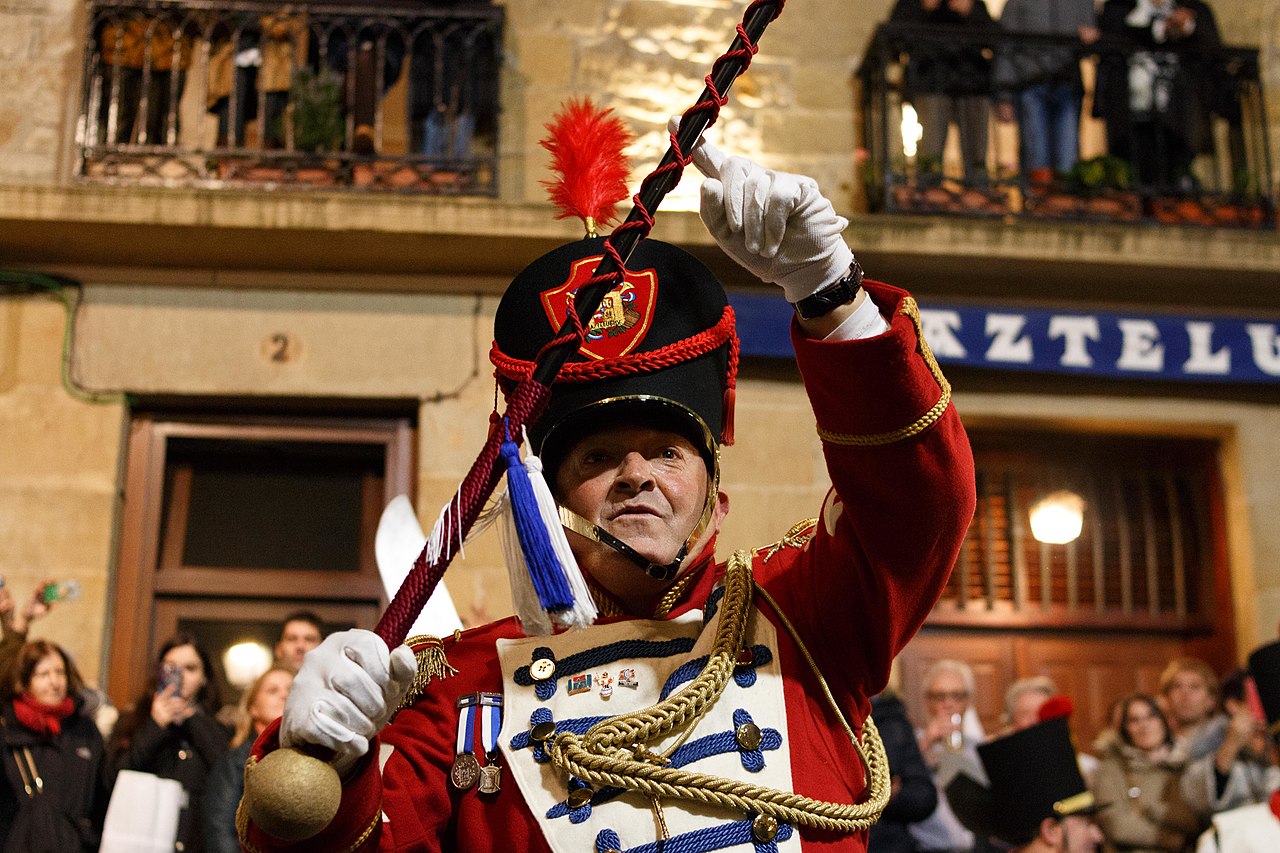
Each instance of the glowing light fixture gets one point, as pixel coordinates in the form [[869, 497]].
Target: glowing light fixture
[[912, 130], [1057, 518], [245, 661]]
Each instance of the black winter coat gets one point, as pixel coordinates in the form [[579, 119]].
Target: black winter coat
[[66, 814], [917, 797], [185, 752], [941, 62], [1194, 84], [222, 793]]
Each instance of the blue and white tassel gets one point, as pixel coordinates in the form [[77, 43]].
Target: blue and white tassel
[[546, 582]]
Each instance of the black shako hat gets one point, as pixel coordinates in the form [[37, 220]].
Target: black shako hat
[[1033, 775], [661, 349], [1264, 666]]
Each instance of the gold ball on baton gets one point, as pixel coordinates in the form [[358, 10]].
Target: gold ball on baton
[[291, 795]]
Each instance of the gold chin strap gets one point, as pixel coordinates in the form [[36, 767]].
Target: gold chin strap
[[614, 752]]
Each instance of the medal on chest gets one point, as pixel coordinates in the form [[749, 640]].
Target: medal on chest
[[482, 712]]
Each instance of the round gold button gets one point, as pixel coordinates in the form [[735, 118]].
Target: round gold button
[[542, 669], [543, 732], [579, 797], [764, 828], [748, 735], [183, 755]]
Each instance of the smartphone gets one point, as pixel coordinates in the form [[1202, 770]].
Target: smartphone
[[170, 676], [1254, 701]]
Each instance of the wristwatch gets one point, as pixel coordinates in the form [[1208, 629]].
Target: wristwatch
[[832, 296]]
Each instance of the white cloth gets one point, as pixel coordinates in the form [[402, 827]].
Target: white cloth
[[1252, 829], [142, 816]]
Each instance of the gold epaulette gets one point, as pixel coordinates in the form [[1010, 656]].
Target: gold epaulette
[[797, 537], [432, 664], [922, 423]]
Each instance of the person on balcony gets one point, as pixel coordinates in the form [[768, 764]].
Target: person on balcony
[[1155, 75], [260, 58], [1039, 85], [141, 51], [948, 81]]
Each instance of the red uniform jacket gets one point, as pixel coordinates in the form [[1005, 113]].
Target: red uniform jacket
[[878, 559]]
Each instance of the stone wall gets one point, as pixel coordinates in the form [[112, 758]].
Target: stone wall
[[59, 461]]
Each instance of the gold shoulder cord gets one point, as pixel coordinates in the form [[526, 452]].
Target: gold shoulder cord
[[613, 752], [928, 419]]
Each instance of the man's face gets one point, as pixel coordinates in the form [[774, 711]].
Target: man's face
[[946, 695], [1189, 698], [644, 485], [296, 639]]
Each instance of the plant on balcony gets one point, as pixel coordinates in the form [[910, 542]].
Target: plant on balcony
[[1099, 174], [316, 101]]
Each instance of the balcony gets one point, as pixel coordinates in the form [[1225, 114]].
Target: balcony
[[1193, 148], [379, 96]]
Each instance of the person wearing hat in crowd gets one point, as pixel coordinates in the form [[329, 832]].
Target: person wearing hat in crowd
[[1034, 799], [712, 704], [1255, 827]]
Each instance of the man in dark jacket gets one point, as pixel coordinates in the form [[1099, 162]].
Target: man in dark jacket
[[948, 79], [1154, 75]]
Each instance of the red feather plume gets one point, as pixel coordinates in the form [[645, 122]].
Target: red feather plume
[[586, 145], [1056, 706]]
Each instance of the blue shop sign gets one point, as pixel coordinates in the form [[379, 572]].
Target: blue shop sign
[[1086, 343]]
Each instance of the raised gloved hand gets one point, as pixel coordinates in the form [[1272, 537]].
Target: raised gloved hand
[[777, 225], [347, 689]]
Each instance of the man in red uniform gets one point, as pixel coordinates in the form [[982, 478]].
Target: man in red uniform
[[716, 705]]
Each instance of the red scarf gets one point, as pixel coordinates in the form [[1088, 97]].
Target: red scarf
[[41, 718]]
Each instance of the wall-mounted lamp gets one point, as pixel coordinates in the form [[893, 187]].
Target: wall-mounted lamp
[[1057, 518]]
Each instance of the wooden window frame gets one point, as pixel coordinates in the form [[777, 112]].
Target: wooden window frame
[[151, 585]]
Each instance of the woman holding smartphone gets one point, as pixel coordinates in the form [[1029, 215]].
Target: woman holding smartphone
[[172, 730]]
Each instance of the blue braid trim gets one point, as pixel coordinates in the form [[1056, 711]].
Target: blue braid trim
[[719, 743], [523, 740], [712, 605], [598, 657], [698, 841], [744, 675]]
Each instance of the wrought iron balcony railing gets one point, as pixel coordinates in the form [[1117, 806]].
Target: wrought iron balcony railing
[[379, 95], [1166, 135]]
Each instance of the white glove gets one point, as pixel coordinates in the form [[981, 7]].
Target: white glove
[[347, 689], [776, 225]]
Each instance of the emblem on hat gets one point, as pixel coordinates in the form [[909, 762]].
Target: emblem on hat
[[623, 318]]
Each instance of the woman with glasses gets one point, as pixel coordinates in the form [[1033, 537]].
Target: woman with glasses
[[1139, 780]]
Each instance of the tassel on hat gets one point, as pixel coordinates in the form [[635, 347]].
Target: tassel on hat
[[546, 582]]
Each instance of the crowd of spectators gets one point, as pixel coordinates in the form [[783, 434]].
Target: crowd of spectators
[[1165, 768], [64, 744], [1167, 765], [1160, 78]]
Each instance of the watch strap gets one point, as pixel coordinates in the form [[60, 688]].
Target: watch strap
[[831, 297]]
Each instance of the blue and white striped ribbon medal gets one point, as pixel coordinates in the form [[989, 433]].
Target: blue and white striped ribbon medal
[[490, 724], [466, 770]]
